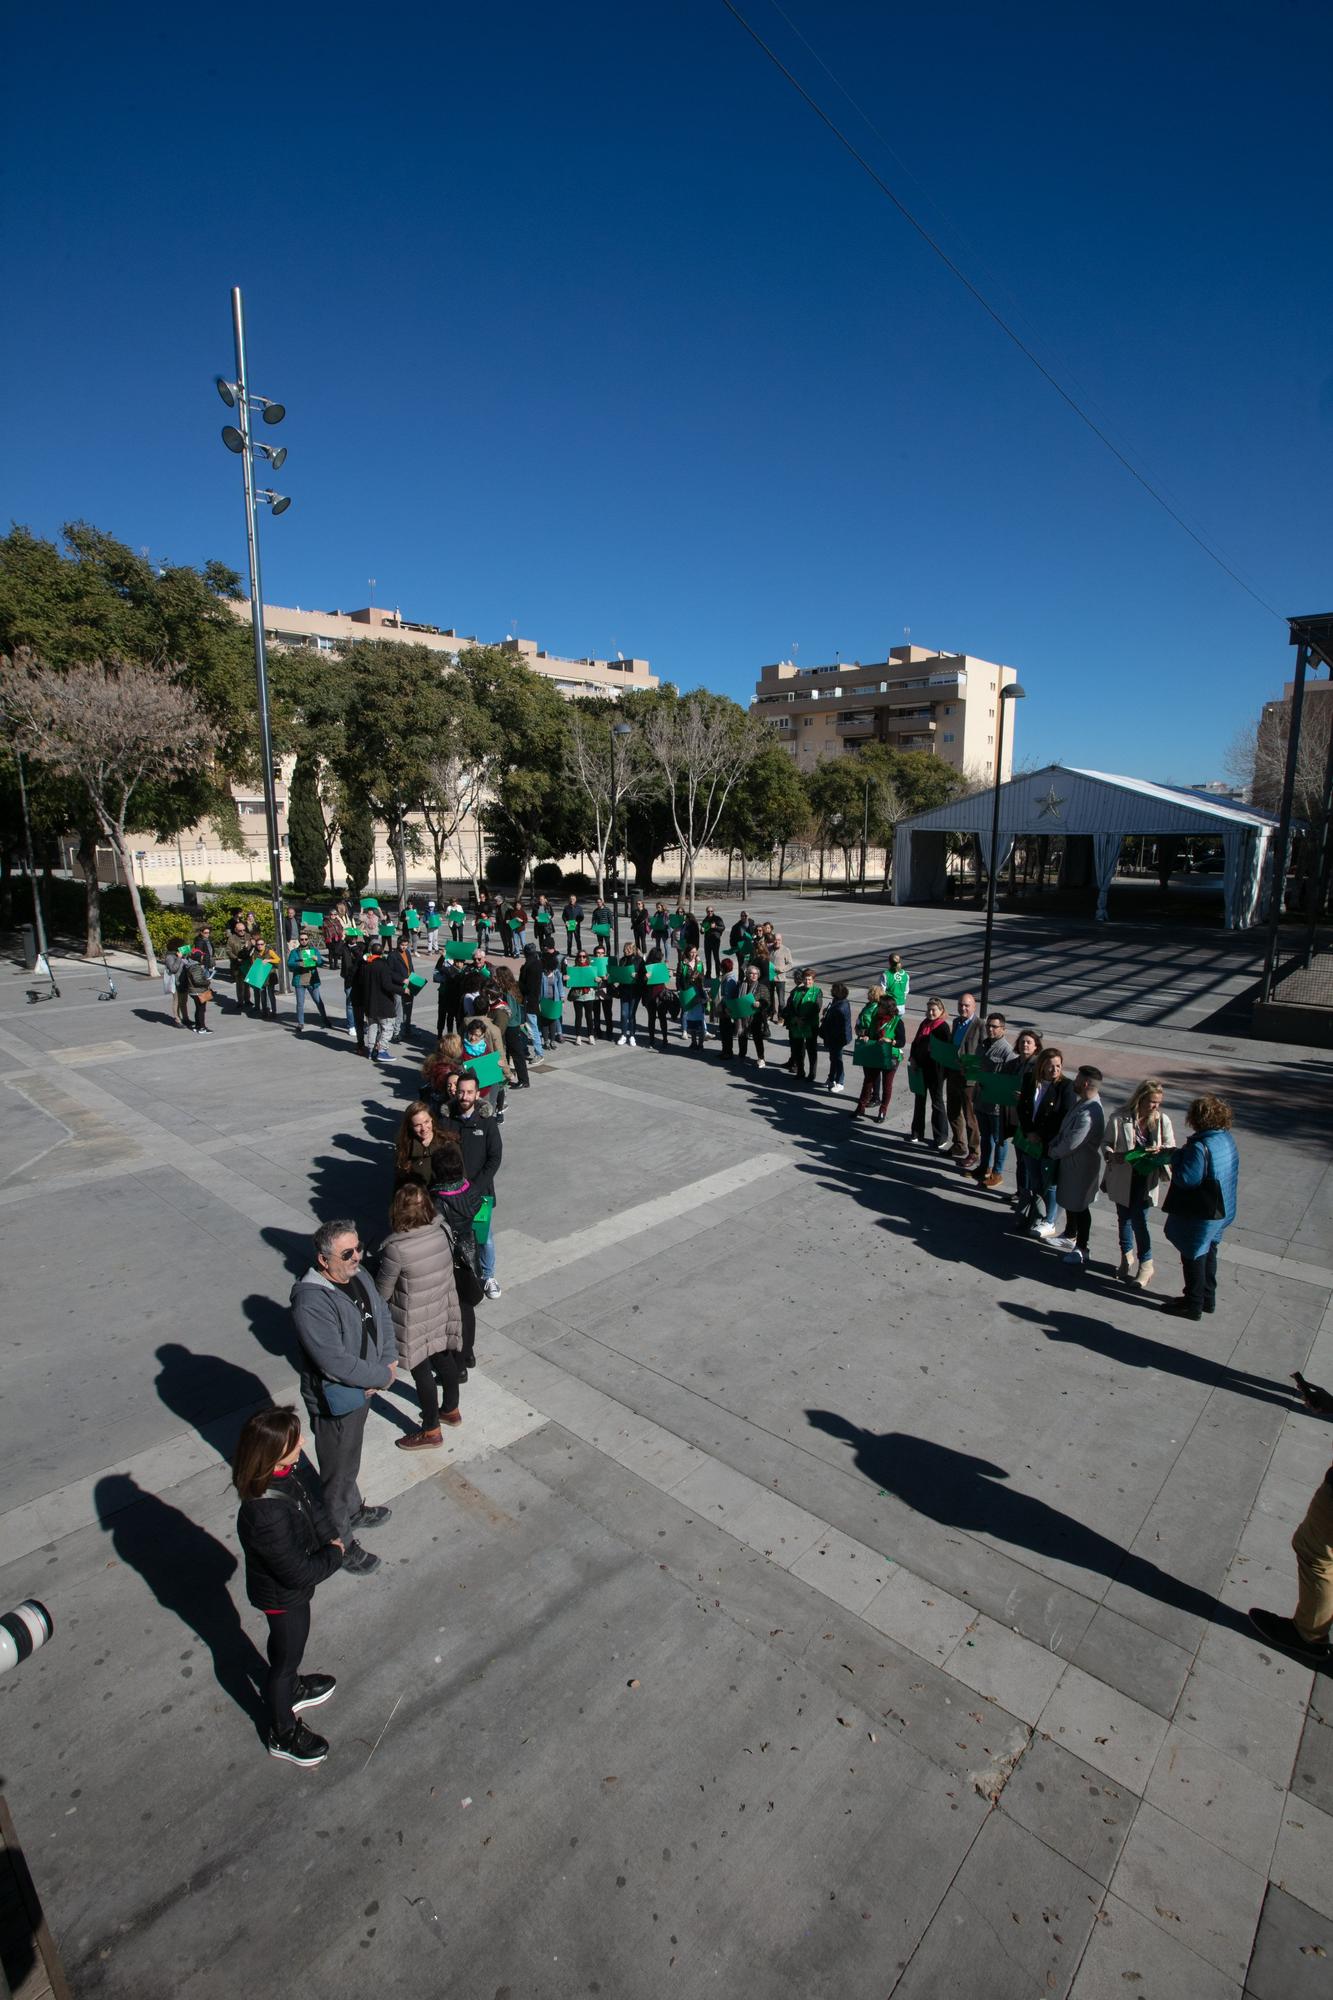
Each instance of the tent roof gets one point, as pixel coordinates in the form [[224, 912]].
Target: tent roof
[[1062, 798]]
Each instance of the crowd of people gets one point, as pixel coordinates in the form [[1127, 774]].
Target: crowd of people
[[980, 1096]]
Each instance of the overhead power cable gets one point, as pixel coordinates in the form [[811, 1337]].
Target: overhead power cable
[[993, 312]]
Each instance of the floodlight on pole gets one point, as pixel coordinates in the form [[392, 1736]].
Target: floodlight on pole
[[1007, 694], [238, 438]]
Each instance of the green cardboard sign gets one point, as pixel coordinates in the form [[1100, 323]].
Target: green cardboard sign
[[413, 920], [689, 997], [1032, 1147], [550, 1010], [916, 1081], [601, 930], [675, 920], [622, 975], [416, 981], [370, 902], [481, 1221], [260, 973], [388, 930], [599, 965], [994, 1088], [742, 1007], [870, 1055], [487, 1069], [657, 975], [580, 976], [309, 959], [312, 920], [460, 948], [572, 924], [434, 921], [353, 931], [944, 1052]]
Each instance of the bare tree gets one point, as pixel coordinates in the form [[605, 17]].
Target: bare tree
[[114, 727], [610, 771], [704, 744], [1256, 757], [451, 794]]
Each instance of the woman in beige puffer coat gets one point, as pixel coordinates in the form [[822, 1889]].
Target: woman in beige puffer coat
[[416, 1281]]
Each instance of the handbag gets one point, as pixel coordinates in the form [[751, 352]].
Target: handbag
[[467, 1279], [1202, 1202]]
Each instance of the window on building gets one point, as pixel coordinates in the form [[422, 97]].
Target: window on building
[[947, 736]]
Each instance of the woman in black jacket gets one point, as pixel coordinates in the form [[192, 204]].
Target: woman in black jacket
[[289, 1548], [458, 1203], [1045, 1099], [921, 1060]]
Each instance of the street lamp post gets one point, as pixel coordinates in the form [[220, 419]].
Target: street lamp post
[[1007, 694], [238, 438], [621, 729]]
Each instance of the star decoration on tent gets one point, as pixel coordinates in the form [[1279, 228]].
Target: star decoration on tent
[[1050, 805]]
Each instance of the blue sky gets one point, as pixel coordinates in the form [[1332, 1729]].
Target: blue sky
[[584, 321]]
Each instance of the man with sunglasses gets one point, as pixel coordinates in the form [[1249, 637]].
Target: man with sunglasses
[[348, 1352]]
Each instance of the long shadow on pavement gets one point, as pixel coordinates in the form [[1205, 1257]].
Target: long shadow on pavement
[[960, 1491], [1137, 1350], [213, 1394], [188, 1572]]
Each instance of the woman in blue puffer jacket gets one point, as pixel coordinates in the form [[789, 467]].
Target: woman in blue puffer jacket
[[1208, 1157]]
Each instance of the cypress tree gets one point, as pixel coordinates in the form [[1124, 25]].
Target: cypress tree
[[305, 828], [357, 842]]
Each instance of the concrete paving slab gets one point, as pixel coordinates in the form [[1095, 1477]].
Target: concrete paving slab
[[1075, 1809], [1115, 1735], [1303, 1858], [1199, 1895], [1127, 1953], [1235, 1808], [1291, 1953], [1248, 1725], [1004, 1667]]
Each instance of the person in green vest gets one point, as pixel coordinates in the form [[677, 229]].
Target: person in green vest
[[883, 1029], [801, 1019], [896, 981]]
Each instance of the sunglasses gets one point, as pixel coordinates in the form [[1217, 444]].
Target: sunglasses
[[344, 1256]]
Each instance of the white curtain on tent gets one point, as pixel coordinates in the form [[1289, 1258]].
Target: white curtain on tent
[[902, 866], [1244, 854], [1006, 849], [1105, 854]]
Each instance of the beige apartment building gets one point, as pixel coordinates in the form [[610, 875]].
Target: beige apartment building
[[943, 703], [325, 631]]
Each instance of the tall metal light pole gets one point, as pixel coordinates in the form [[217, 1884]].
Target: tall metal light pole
[[1007, 694], [238, 438], [621, 729]]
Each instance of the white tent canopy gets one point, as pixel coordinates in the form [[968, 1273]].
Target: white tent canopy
[[1095, 806]]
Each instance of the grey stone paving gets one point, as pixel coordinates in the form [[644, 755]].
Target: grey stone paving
[[825, 1594]]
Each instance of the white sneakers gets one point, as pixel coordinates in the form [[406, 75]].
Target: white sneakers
[[837, 1088], [1072, 1257], [759, 1063], [620, 1041], [491, 1289], [633, 1043], [1044, 1229]]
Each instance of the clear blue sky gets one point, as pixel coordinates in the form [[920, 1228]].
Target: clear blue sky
[[583, 320]]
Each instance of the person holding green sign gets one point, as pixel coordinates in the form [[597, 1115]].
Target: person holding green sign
[[483, 922], [1139, 1140], [927, 1078], [1045, 1099], [754, 1012], [800, 1017], [880, 1042], [959, 1091], [693, 989], [629, 991], [997, 1059], [303, 964], [660, 926], [571, 918], [455, 916], [601, 923], [543, 924]]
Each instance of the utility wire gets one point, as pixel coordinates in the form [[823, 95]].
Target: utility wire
[[991, 311]]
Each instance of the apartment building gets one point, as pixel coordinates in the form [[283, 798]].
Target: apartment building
[[916, 699], [325, 631]]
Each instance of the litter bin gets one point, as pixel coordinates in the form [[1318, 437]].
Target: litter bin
[[29, 935], [190, 895]]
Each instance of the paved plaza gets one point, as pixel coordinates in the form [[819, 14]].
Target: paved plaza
[[828, 1592]]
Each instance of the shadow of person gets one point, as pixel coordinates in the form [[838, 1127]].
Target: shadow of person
[[1137, 1350], [214, 1395], [188, 1572], [271, 1324], [960, 1491]]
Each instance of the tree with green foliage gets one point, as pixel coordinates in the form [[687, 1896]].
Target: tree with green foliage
[[305, 827], [97, 600], [530, 809], [768, 808], [356, 839]]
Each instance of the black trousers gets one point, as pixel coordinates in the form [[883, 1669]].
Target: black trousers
[[656, 1011], [712, 958], [516, 1047], [287, 1634], [1200, 1275], [939, 1122], [751, 1029], [805, 1058], [1080, 1227], [436, 1380]]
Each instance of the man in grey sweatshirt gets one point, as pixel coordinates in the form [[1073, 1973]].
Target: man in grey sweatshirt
[[348, 1351], [997, 1059]]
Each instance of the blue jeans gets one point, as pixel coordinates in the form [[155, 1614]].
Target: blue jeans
[[486, 1256], [629, 1008], [836, 1073], [517, 941], [534, 1029], [301, 991], [1134, 1237], [994, 1141]]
